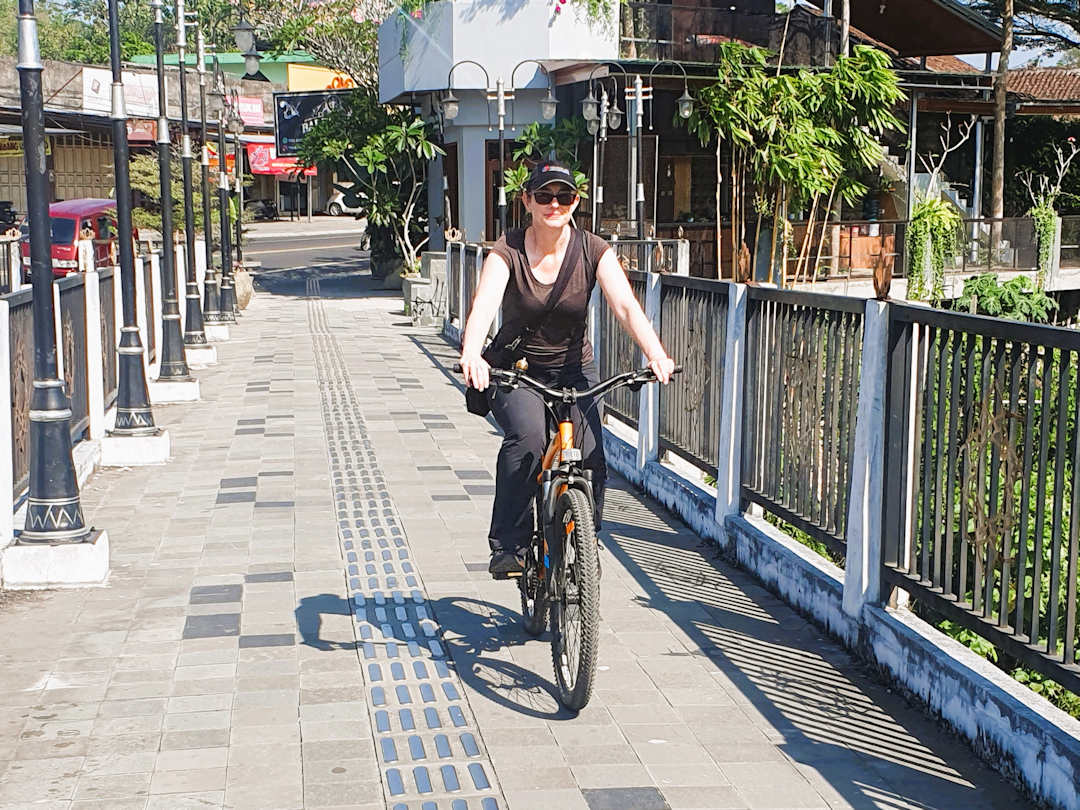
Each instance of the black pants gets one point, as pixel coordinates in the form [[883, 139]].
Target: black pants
[[524, 419]]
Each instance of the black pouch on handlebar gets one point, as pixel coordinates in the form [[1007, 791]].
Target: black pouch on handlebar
[[503, 353]]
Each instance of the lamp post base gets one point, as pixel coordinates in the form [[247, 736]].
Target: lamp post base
[[216, 332], [201, 356], [164, 392], [135, 451], [68, 565]]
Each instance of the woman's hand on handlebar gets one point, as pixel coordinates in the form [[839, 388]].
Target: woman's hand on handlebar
[[663, 367], [476, 370]]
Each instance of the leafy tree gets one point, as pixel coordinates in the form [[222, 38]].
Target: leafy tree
[[145, 181], [386, 152], [1016, 299], [1047, 24]]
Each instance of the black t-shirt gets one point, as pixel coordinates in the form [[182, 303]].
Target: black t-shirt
[[560, 341]]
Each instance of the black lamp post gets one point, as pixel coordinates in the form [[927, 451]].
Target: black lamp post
[[236, 126], [451, 106], [211, 290], [54, 514], [174, 365], [599, 118], [194, 334], [133, 414], [227, 314]]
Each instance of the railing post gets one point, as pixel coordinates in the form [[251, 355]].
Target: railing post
[[7, 444], [15, 267], [462, 305], [84, 255], [729, 455], [862, 571], [648, 445], [140, 310], [155, 286], [58, 330], [899, 444], [682, 257], [95, 384], [448, 318], [1055, 256], [200, 265]]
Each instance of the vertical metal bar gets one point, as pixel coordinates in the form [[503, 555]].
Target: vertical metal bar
[[1025, 488], [996, 399], [895, 468], [955, 393], [843, 461], [926, 518], [1009, 496], [940, 455], [779, 322], [967, 464], [1040, 493], [826, 516], [1054, 596], [1069, 640], [982, 544]]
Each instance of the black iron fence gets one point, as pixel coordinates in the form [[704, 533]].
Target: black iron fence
[[72, 343], [148, 286], [109, 359], [21, 359], [801, 388], [470, 275], [617, 353], [693, 329], [982, 516]]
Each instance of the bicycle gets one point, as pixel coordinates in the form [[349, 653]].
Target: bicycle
[[561, 577]]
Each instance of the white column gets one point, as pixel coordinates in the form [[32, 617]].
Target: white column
[[181, 283], [140, 310], [15, 271], [155, 283], [862, 572], [682, 257], [729, 458], [58, 329], [648, 445], [95, 385], [85, 255], [7, 445], [463, 305], [1055, 257], [200, 265]]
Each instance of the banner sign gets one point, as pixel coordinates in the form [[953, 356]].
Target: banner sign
[[140, 92], [311, 77], [296, 113], [263, 159], [212, 155], [251, 110], [142, 130], [11, 146]]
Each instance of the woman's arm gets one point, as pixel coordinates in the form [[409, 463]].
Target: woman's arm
[[621, 300], [489, 294]]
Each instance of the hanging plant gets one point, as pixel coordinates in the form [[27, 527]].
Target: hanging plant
[[933, 230], [1045, 218]]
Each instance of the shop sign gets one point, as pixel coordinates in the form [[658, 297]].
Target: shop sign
[[142, 130], [140, 92], [263, 159], [251, 110], [310, 77], [296, 113], [11, 146]]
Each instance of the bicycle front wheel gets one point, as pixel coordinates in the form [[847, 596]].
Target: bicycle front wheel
[[575, 615]]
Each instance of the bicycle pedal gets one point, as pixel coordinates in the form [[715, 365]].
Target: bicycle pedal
[[510, 575]]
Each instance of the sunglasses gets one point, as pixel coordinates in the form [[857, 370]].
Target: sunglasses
[[564, 197]]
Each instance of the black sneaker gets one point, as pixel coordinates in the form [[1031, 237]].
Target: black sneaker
[[506, 564]]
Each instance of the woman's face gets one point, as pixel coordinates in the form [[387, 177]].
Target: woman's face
[[553, 213]]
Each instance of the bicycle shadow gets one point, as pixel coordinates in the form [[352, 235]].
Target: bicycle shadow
[[479, 637], [309, 614]]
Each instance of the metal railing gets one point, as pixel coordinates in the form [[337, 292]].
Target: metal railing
[[990, 245], [982, 513], [21, 358], [655, 31], [72, 344], [693, 329], [454, 253], [472, 256], [617, 352], [10, 261], [1070, 241], [150, 286], [846, 250], [109, 338], [649, 255], [801, 386]]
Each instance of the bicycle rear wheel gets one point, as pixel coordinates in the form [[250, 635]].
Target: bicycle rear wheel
[[575, 614]]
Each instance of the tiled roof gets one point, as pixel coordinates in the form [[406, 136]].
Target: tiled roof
[[1046, 83]]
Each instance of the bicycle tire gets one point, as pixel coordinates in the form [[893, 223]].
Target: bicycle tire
[[534, 606], [575, 669]]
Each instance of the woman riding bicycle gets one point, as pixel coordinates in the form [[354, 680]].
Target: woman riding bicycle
[[522, 271]]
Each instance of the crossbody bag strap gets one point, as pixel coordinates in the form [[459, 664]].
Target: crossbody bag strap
[[565, 272]]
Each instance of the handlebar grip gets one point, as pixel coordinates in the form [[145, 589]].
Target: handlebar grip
[[457, 368], [678, 369]]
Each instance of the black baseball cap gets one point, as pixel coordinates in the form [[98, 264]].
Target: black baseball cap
[[550, 172]]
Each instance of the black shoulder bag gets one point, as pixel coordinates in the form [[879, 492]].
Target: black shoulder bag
[[502, 353]]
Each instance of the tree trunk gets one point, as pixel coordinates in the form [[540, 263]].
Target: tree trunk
[[719, 229], [997, 183]]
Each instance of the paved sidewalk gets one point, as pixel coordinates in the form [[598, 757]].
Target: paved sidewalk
[[299, 616], [320, 225]]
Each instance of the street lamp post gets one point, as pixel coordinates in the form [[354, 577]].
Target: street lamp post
[[174, 365], [54, 511], [194, 334], [133, 414], [500, 95], [211, 289], [236, 125], [227, 295], [601, 116]]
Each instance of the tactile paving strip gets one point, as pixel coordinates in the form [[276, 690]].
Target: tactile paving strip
[[430, 752]]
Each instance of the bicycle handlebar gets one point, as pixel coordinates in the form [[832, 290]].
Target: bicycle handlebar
[[639, 377]]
